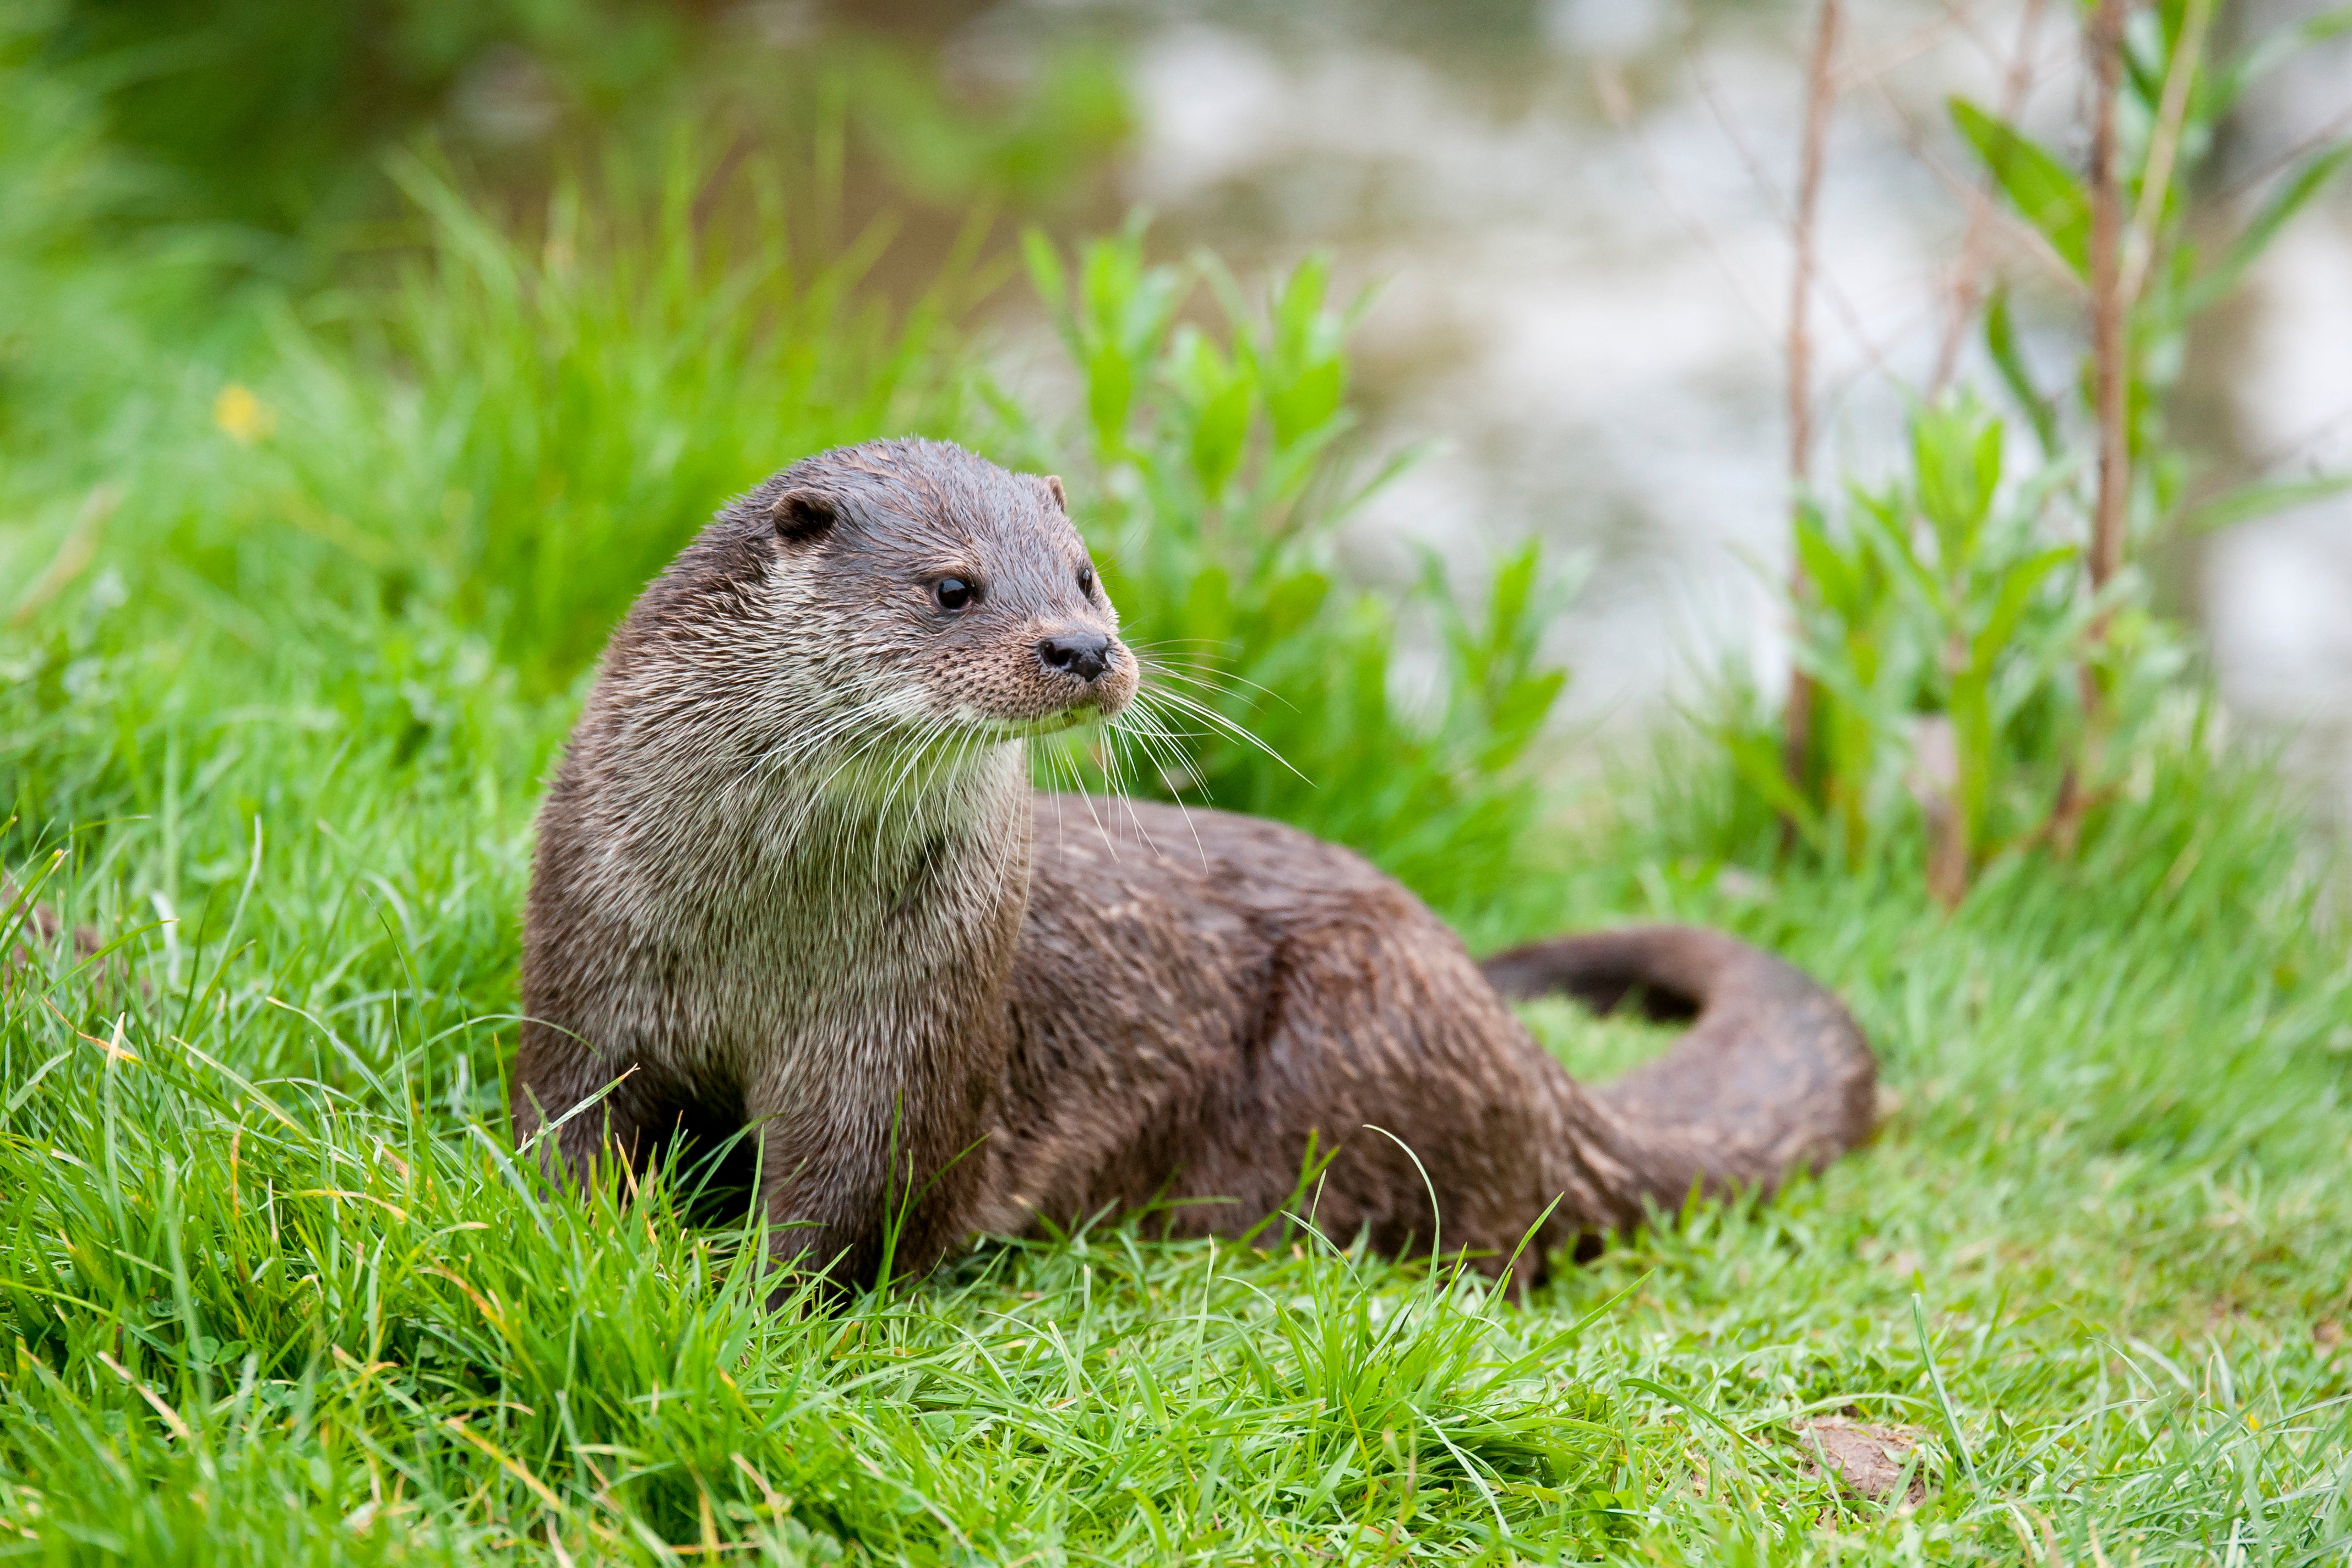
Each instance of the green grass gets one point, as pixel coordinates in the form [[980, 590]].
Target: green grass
[[276, 1291]]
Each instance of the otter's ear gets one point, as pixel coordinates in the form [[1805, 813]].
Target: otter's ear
[[801, 515], [1061, 501]]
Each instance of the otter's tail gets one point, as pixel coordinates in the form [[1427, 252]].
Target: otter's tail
[[1773, 1074]]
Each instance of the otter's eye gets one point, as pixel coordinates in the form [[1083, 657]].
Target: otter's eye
[[1086, 579], [954, 593]]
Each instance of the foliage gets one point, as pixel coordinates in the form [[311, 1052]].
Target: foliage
[[2175, 94], [1972, 677], [1213, 475], [274, 116], [1944, 629], [1034, 149], [77, 292]]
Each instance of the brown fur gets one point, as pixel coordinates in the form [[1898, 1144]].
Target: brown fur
[[791, 874]]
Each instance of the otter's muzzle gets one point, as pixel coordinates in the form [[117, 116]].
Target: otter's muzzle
[[1086, 654]]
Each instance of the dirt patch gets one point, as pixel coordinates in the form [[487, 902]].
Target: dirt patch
[[1868, 1461]]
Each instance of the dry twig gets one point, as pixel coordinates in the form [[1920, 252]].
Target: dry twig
[[1825, 284]]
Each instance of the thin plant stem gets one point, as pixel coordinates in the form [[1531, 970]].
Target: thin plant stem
[[2110, 376], [2164, 146], [1821, 89], [2109, 304]]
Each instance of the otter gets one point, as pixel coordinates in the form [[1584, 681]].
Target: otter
[[791, 875]]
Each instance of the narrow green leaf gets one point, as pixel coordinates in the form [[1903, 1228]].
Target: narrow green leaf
[[1110, 391], [1759, 763], [2017, 587], [1308, 402], [1218, 434], [2293, 195], [1834, 579], [1047, 276], [2250, 502], [2001, 341], [2268, 53], [2045, 194], [1512, 590]]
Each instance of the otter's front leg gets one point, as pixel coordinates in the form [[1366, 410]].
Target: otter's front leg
[[822, 1196], [852, 1196]]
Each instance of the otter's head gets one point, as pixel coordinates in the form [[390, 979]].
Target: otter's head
[[932, 591]]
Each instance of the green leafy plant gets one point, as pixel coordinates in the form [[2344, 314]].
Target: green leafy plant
[[1213, 471], [1984, 656], [1944, 632], [2180, 258]]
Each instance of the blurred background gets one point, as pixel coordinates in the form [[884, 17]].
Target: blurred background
[[1573, 217]]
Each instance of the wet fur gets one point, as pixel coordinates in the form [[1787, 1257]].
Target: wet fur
[[791, 874]]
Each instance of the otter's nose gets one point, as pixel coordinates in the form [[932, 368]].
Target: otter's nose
[[1083, 654]]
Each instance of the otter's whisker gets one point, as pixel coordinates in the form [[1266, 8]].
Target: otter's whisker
[[1218, 682], [1163, 749], [1057, 768], [1146, 728], [1140, 732], [1166, 723], [1209, 715], [916, 754], [822, 725], [1078, 788], [819, 797], [1109, 757], [772, 761]]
